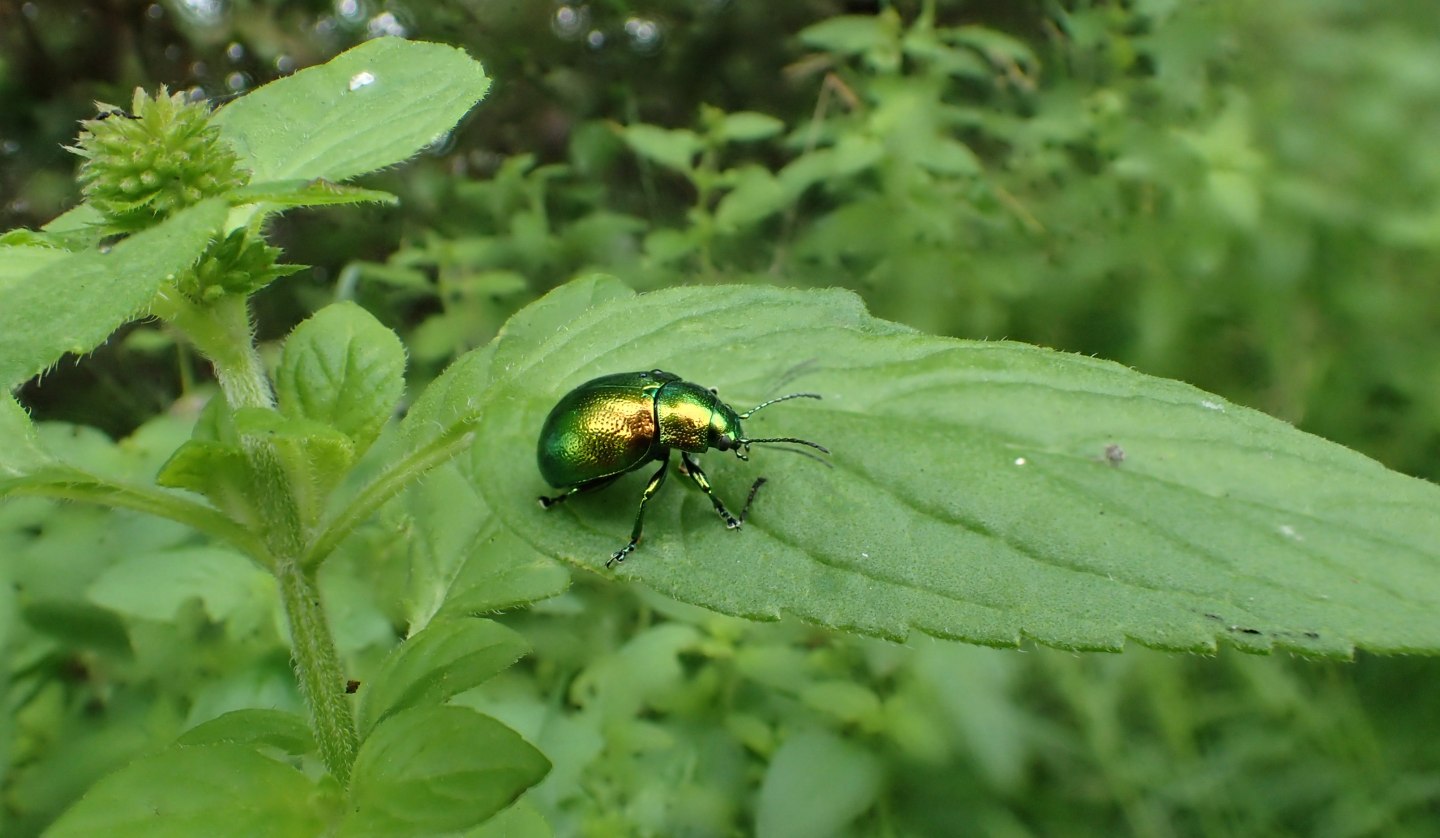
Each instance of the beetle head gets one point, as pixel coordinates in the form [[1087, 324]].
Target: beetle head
[[740, 443]]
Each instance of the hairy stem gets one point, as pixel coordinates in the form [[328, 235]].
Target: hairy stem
[[222, 332], [317, 666]]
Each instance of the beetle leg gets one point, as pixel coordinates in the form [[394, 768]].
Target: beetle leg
[[650, 489], [546, 503], [691, 469]]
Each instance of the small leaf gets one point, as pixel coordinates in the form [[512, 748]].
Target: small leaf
[[21, 451], [81, 227], [673, 148], [923, 44], [945, 156], [342, 368], [436, 428], [1237, 197], [394, 274], [973, 492], [756, 196], [748, 126], [218, 471], [850, 34], [315, 456], [154, 585], [253, 726], [852, 155], [445, 659], [992, 43], [502, 572], [73, 304], [438, 769], [214, 790], [321, 121], [79, 624], [463, 562], [816, 784], [448, 404], [665, 246]]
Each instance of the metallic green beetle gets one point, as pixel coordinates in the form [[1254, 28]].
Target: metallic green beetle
[[612, 425]]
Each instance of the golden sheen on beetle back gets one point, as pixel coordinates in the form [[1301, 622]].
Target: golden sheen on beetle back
[[614, 424], [604, 430]]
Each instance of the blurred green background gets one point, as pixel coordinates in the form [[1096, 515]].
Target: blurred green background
[[1242, 195]]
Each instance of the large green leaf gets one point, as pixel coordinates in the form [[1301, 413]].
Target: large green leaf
[[433, 770], [217, 790], [322, 121], [253, 726], [980, 491], [447, 658], [74, 303]]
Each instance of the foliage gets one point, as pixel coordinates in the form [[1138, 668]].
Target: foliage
[[267, 467], [1231, 194]]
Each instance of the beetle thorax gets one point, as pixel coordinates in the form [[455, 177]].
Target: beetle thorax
[[691, 418]]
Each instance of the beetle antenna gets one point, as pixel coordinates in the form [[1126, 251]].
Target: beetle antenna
[[747, 414], [817, 446]]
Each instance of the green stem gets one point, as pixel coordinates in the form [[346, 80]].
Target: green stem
[[221, 330], [385, 487], [317, 666]]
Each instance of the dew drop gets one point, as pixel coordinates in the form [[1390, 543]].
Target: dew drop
[[386, 23], [644, 35], [569, 22], [349, 9], [203, 12]]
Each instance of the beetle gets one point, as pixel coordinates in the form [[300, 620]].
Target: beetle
[[612, 425]]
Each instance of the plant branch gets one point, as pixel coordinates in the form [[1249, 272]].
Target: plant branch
[[221, 331], [66, 483], [317, 667], [385, 487]]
